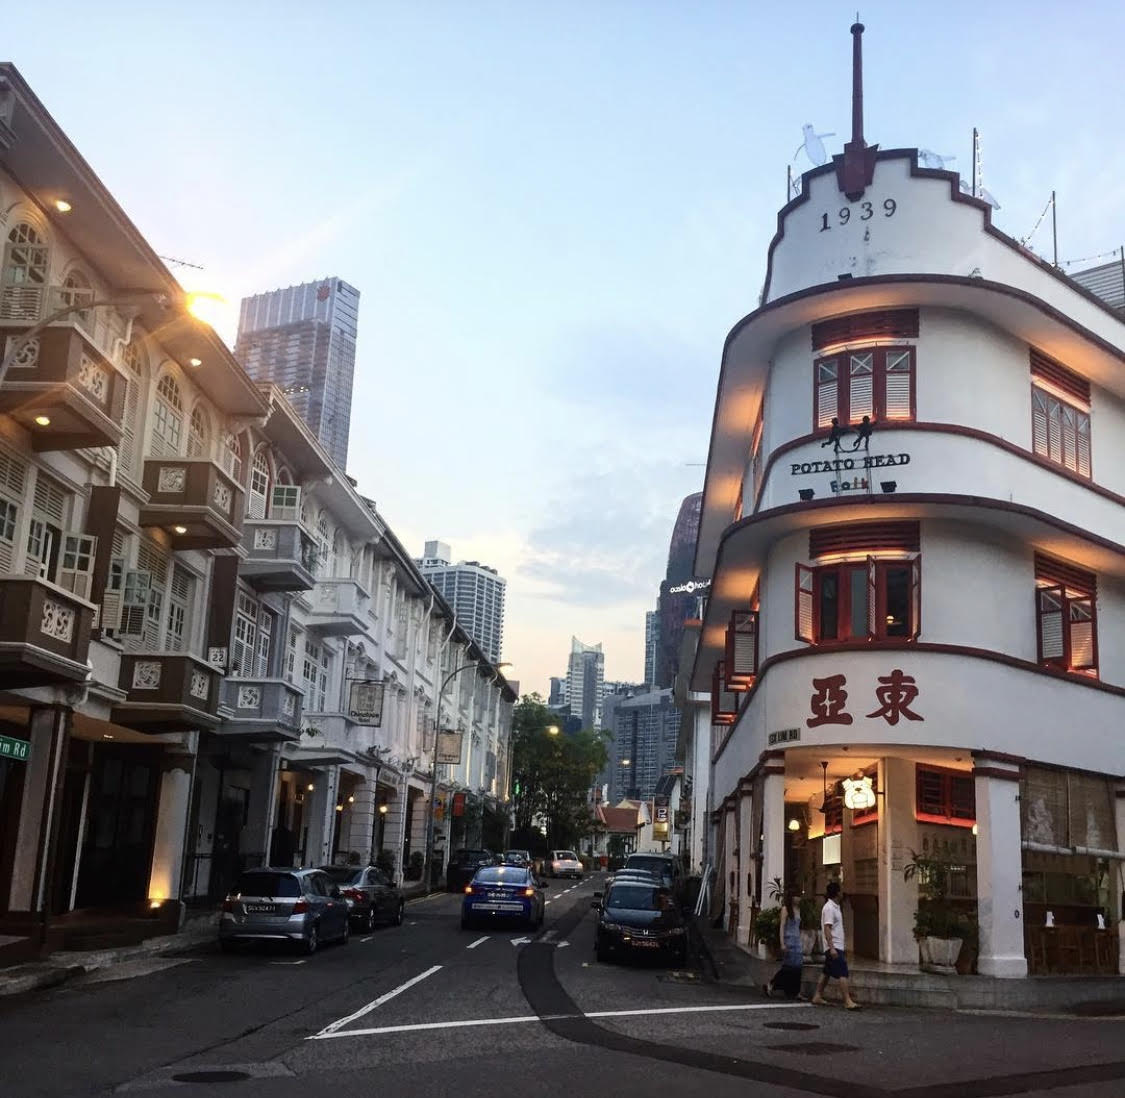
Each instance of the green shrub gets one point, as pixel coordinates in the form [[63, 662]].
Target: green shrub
[[767, 926]]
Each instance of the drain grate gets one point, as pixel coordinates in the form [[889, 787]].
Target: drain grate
[[212, 1076], [791, 1025], [815, 1048]]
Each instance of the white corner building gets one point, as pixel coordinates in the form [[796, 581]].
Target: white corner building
[[938, 606]]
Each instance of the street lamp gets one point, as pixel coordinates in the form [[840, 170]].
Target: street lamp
[[428, 878], [553, 729]]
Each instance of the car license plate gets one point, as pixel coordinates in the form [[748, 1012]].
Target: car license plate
[[645, 943], [260, 909]]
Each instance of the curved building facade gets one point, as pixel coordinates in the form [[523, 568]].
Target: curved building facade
[[914, 525]]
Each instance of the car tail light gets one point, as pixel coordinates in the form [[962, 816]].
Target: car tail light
[[354, 894], [468, 890], [300, 907]]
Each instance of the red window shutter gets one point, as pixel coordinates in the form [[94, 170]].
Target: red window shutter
[[929, 792], [805, 626], [1049, 605], [742, 649], [1039, 415], [1063, 379], [897, 387], [861, 386], [884, 324], [1059, 573], [873, 626], [915, 597], [962, 798], [724, 705], [1083, 638], [827, 392], [855, 537]]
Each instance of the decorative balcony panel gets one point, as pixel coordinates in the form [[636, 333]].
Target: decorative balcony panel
[[262, 709], [194, 496], [44, 633], [339, 608], [280, 555], [167, 693], [63, 390]]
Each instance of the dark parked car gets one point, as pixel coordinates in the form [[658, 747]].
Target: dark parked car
[[374, 898], [664, 866], [499, 892], [284, 905], [634, 917], [464, 865]]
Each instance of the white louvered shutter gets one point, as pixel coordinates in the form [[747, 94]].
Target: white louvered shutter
[[805, 587], [76, 563], [898, 385], [1049, 605], [135, 593], [1083, 646], [827, 391], [861, 386], [286, 502]]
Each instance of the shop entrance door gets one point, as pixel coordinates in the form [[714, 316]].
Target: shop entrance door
[[120, 823]]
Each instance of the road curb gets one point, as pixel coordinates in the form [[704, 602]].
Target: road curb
[[707, 963]]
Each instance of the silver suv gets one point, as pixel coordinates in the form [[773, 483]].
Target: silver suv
[[284, 905]]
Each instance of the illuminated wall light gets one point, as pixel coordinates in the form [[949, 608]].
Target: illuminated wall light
[[43, 421], [794, 824], [311, 787], [339, 808], [351, 799], [195, 362], [383, 809], [63, 206], [179, 529]]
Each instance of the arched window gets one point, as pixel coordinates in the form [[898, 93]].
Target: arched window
[[323, 545], [198, 434], [168, 418], [232, 457], [25, 273], [340, 556], [258, 497], [133, 356], [76, 290], [284, 476]]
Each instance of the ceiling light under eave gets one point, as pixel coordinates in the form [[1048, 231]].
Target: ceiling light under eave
[[43, 421], [63, 206], [179, 530], [195, 362]]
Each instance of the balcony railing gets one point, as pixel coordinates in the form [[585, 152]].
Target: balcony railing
[[167, 693], [63, 390], [262, 709], [195, 501], [44, 633], [280, 555], [338, 608]]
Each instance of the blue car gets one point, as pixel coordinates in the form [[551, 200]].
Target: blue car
[[501, 892]]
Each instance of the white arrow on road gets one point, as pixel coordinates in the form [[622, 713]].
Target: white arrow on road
[[562, 945], [520, 941]]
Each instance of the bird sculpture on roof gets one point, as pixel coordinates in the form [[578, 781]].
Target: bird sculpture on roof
[[813, 145], [930, 159]]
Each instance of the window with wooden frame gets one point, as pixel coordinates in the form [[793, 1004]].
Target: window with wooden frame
[[872, 598], [877, 382], [1060, 414], [741, 661], [945, 796], [1066, 616], [833, 814], [724, 702]]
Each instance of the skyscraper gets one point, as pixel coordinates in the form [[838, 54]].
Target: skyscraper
[[473, 590], [303, 340], [652, 642], [643, 745], [585, 679], [676, 604]]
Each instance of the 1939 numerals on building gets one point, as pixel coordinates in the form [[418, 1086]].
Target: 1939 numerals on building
[[866, 213]]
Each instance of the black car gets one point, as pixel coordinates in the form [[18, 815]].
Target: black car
[[665, 867], [638, 918], [371, 893], [464, 865]]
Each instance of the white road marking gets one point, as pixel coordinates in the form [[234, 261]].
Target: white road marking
[[545, 902], [520, 941], [332, 1027], [478, 942], [420, 1026], [562, 945], [287, 962], [548, 937], [364, 941]]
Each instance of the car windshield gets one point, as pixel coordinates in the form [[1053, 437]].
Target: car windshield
[[268, 884], [662, 867], [637, 897], [566, 856], [466, 856], [517, 855], [343, 874], [501, 874]]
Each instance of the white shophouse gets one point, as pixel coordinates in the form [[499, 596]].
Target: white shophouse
[[938, 607]]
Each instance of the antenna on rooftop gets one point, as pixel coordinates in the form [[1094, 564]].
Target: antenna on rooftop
[[181, 262]]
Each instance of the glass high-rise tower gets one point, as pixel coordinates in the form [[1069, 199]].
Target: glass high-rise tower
[[303, 340]]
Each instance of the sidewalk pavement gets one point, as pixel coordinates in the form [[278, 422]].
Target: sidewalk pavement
[[872, 982], [199, 934]]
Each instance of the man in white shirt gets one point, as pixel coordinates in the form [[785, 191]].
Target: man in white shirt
[[835, 963]]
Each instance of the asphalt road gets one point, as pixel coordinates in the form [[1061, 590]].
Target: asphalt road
[[427, 1009]]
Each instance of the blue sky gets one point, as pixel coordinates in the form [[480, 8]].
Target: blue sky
[[554, 213]]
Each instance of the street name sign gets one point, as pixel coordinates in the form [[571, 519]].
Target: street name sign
[[11, 748]]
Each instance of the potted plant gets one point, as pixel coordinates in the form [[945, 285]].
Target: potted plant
[[939, 927], [385, 860], [767, 931]]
